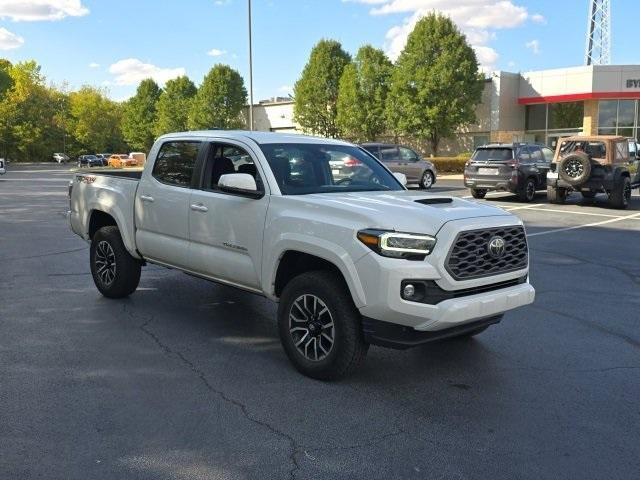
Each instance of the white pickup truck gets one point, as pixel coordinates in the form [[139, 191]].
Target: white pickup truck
[[352, 260]]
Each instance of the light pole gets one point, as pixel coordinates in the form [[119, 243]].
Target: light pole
[[250, 72]]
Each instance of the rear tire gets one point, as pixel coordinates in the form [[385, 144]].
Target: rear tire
[[528, 191], [426, 182], [115, 272], [320, 328], [478, 193], [556, 195], [621, 194]]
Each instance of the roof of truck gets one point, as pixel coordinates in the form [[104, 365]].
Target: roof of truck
[[257, 137]]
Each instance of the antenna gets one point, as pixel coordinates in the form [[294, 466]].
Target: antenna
[[598, 48]]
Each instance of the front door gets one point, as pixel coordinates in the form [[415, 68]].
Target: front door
[[162, 204], [226, 230]]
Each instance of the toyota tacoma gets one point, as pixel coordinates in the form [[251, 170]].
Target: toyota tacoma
[[351, 260]]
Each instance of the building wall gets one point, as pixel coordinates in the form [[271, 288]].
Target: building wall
[[590, 125], [273, 117]]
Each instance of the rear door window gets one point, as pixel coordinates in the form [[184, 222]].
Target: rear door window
[[176, 162], [389, 154]]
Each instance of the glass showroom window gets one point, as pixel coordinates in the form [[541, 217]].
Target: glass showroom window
[[618, 117], [566, 116]]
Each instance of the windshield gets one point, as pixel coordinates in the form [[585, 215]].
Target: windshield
[[493, 155], [303, 168]]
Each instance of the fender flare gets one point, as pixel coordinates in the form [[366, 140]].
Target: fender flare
[[331, 252]]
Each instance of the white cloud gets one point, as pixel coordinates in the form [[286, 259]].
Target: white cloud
[[131, 71], [478, 19], [288, 89], [220, 3], [38, 10], [9, 41], [534, 46], [537, 18], [214, 52], [94, 65]]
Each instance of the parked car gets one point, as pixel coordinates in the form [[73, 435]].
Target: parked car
[[89, 161], [120, 160], [592, 165], [3, 168], [519, 168], [60, 157], [399, 158], [351, 263], [104, 157]]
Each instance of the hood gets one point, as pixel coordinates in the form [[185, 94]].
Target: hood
[[404, 211]]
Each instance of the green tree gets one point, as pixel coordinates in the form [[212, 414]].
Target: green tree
[[27, 112], [174, 105], [94, 122], [219, 101], [362, 96], [316, 92], [435, 85], [140, 116]]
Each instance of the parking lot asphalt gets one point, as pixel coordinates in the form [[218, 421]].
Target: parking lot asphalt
[[187, 380]]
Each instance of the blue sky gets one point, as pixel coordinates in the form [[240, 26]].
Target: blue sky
[[113, 43]]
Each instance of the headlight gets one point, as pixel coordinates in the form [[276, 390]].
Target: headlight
[[411, 246]]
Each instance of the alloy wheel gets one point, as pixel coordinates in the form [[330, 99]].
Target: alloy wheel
[[105, 261], [311, 327]]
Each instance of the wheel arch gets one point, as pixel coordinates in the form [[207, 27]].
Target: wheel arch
[[295, 261]]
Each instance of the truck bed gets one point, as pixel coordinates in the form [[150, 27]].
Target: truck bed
[[132, 174]]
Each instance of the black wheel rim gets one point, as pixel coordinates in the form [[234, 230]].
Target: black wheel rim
[[574, 168], [311, 327], [105, 263], [531, 190]]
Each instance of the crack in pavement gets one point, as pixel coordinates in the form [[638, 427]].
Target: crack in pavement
[[630, 340], [370, 443], [635, 278], [294, 447], [51, 254]]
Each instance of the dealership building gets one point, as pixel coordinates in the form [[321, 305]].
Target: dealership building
[[536, 106]]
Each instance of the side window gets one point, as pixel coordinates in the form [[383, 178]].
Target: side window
[[375, 151], [408, 155], [224, 159], [524, 155], [389, 154], [622, 151], [536, 155], [175, 163], [548, 154]]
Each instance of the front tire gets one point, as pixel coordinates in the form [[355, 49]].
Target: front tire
[[320, 327], [115, 272], [426, 182]]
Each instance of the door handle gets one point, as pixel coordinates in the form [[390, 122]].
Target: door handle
[[146, 198], [198, 207]]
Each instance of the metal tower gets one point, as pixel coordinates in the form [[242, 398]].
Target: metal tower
[[598, 49]]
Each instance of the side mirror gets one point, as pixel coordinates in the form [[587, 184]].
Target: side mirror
[[239, 184], [401, 177]]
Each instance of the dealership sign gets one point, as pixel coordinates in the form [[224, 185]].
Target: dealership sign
[[633, 83]]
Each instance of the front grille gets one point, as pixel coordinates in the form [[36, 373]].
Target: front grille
[[470, 258]]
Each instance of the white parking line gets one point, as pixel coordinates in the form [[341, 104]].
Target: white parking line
[[524, 207], [576, 227]]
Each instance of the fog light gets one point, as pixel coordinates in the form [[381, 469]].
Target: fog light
[[408, 291]]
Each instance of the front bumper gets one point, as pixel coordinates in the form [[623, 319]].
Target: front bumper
[[383, 301]]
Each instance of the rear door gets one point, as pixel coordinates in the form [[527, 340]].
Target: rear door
[[162, 203], [226, 230], [389, 155], [410, 164], [491, 164]]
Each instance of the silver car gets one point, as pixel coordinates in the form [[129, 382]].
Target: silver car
[[398, 158]]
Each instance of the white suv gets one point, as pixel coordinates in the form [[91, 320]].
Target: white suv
[[353, 259]]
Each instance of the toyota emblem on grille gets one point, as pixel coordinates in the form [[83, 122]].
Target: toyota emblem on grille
[[496, 247]]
